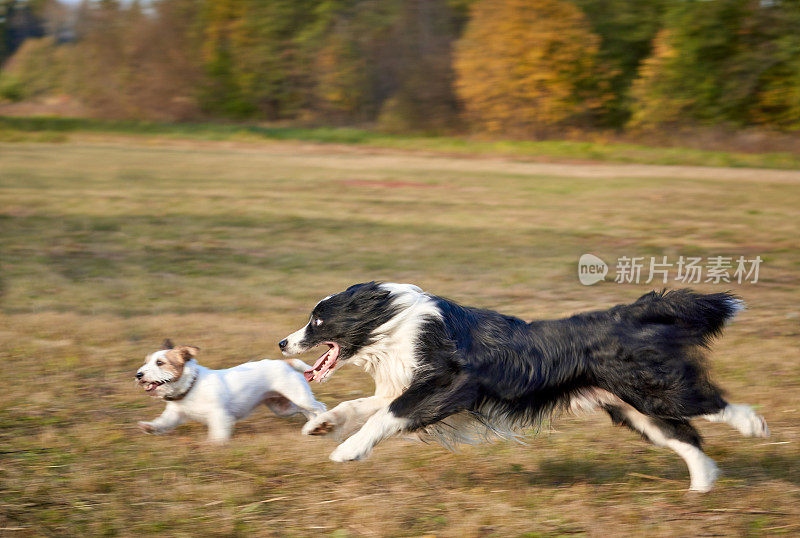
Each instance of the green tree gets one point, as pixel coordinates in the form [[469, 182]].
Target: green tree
[[254, 59], [726, 61], [681, 81], [423, 97], [771, 60], [38, 68], [626, 29]]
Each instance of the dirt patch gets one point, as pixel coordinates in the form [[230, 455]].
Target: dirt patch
[[389, 184]]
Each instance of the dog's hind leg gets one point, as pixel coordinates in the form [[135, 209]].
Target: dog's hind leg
[[281, 406], [295, 389], [743, 418], [676, 434]]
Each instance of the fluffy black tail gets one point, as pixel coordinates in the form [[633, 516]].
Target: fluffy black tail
[[697, 316], [657, 364]]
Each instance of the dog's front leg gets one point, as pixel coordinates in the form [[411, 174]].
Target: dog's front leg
[[345, 417], [423, 403], [167, 421], [358, 446], [220, 427]]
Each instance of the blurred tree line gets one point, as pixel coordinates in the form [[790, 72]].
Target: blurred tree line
[[518, 67]]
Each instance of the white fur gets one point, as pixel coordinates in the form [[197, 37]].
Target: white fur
[[218, 398], [346, 417], [743, 418], [378, 427], [293, 346], [390, 359], [738, 305], [703, 472]]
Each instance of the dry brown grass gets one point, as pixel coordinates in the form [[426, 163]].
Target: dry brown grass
[[108, 248]]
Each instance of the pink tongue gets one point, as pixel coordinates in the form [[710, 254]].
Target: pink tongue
[[318, 368], [320, 360]]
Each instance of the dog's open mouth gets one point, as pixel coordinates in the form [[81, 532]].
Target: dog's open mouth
[[150, 386], [324, 365]]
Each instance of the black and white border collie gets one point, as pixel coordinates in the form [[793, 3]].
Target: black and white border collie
[[456, 373]]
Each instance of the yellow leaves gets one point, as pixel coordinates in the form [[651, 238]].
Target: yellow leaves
[[652, 104], [525, 65]]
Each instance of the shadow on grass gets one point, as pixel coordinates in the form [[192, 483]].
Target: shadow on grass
[[562, 472]]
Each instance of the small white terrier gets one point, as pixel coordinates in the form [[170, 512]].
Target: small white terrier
[[218, 398]]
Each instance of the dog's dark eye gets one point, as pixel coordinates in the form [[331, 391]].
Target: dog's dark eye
[[317, 322], [159, 362]]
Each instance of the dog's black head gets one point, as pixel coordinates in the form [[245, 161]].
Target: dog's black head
[[345, 322]]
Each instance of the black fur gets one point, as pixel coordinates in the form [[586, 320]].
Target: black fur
[[646, 353]]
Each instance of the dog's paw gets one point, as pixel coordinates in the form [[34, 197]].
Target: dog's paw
[[349, 451], [703, 481], [743, 418], [753, 426], [320, 425], [147, 427]]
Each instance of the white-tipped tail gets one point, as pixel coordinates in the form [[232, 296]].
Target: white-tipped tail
[[738, 305]]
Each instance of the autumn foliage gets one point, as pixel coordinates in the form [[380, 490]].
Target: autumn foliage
[[528, 65], [513, 67]]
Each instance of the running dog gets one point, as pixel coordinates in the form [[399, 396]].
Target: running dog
[[218, 398], [458, 374]]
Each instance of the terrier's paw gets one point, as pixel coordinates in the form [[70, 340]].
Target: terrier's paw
[[349, 451], [148, 427]]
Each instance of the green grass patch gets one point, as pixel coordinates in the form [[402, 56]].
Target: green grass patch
[[49, 129]]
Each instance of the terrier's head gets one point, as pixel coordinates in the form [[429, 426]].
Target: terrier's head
[[164, 368]]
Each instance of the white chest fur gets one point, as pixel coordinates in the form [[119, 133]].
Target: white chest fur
[[391, 360]]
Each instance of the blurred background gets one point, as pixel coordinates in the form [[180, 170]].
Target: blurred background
[[545, 68], [207, 170]]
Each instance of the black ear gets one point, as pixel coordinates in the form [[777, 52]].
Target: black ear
[[167, 344]]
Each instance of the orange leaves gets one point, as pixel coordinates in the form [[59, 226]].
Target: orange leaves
[[527, 66]]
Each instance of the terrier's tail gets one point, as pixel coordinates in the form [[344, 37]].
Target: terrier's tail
[[298, 365]]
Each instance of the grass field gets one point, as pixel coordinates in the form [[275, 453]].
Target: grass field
[[107, 247]]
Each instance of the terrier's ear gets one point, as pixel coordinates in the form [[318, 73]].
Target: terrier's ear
[[167, 344], [187, 353]]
